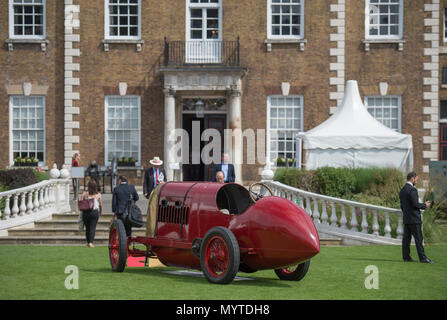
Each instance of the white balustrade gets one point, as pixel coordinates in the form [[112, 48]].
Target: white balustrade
[[27, 204], [306, 198]]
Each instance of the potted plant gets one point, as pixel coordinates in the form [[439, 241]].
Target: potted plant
[[18, 162], [131, 162], [280, 162], [34, 162]]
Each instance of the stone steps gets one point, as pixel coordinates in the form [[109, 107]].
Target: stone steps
[[62, 229]]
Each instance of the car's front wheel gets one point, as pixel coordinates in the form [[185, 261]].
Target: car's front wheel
[[219, 255]]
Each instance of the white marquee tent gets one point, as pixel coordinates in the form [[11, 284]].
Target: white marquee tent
[[351, 137]]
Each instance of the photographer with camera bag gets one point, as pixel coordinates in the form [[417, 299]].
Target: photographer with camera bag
[[120, 202]]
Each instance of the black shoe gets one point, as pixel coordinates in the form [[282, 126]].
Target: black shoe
[[409, 260], [427, 261]]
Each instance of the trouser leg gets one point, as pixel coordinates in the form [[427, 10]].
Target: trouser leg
[[406, 240], [86, 219], [93, 221], [127, 225], [418, 239]]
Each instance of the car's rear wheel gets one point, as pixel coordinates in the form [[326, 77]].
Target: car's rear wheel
[[219, 255], [118, 246], [293, 273]]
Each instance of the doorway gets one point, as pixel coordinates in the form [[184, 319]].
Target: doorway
[[196, 169]]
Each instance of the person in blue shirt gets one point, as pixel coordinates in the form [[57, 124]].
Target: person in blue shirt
[[226, 168]]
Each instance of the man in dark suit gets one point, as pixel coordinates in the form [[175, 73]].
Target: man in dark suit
[[153, 176], [120, 198], [411, 208], [226, 168]]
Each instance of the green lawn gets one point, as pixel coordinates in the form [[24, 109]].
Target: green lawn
[[30, 272]]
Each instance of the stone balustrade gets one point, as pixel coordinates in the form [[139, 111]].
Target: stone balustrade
[[34, 202], [343, 214]]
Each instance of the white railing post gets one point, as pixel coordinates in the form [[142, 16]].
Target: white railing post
[[387, 228], [354, 223], [343, 220], [399, 230], [36, 200], [375, 223], [333, 215], [324, 216], [41, 199], [7, 211], [316, 212], [308, 206], [22, 204], [15, 207], [364, 221], [30, 205]]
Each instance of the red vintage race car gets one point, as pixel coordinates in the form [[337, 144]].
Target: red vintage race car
[[222, 229]]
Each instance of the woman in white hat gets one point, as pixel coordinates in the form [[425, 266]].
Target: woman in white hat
[[153, 176]]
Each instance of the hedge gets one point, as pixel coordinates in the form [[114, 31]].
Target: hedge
[[18, 178], [379, 186]]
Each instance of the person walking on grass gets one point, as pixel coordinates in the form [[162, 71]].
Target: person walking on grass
[[411, 209], [91, 217]]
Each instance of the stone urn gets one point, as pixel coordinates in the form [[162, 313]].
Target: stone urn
[[64, 172], [55, 173]]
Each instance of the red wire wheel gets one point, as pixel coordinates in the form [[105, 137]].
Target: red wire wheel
[[118, 246], [219, 255], [293, 273]]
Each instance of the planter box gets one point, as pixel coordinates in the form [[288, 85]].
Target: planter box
[[17, 164], [126, 164]]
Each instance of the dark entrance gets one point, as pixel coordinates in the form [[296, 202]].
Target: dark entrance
[[201, 171]]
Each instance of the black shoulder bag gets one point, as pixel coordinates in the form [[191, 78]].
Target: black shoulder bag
[[133, 212]]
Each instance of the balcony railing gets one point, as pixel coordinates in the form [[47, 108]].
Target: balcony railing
[[193, 52]]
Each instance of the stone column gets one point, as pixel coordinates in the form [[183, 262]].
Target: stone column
[[234, 114], [169, 132]]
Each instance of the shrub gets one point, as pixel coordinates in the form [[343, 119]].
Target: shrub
[[41, 176], [431, 230], [336, 182], [279, 175], [17, 178]]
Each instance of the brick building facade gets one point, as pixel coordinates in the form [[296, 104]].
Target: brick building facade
[[116, 77]]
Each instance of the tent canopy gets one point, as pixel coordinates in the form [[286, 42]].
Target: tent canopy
[[351, 136]]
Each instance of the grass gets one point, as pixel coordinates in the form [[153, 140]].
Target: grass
[[30, 272]]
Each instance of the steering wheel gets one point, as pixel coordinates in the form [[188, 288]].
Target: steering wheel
[[259, 190]]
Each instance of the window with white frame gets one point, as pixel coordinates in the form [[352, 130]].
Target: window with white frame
[[284, 121], [387, 110], [122, 19], [285, 19], [122, 132], [203, 20], [27, 123], [384, 19], [27, 19]]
